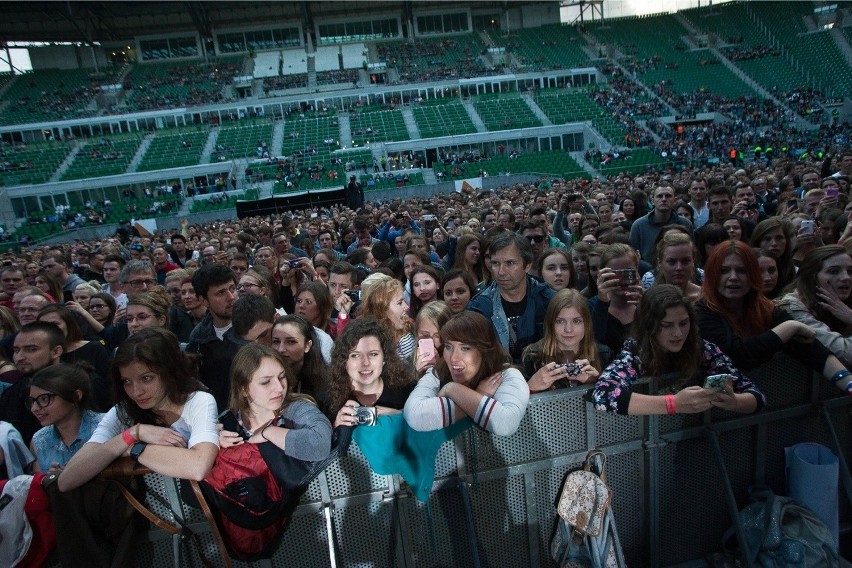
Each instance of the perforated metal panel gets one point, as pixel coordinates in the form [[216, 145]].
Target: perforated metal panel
[[351, 475], [613, 428], [445, 522], [784, 383], [366, 535], [499, 513], [305, 543], [625, 477], [558, 425], [445, 462]]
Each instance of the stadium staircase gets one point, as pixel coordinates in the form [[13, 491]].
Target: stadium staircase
[[312, 72], [745, 78], [839, 39], [345, 126], [580, 158], [277, 142], [140, 153], [528, 98], [474, 116], [210, 145], [411, 123], [66, 163]]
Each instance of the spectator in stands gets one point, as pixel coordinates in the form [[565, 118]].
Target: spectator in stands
[[773, 236], [675, 256], [427, 327], [382, 299], [556, 268], [294, 338], [667, 345], [50, 285], [37, 345], [148, 309], [515, 302], [736, 316], [644, 231], [267, 409], [29, 306], [457, 287], [193, 306], [113, 264], [698, 202], [215, 287], [178, 251], [619, 291], [12, 278], [821, 299], [536, 234], [466, 254], [238, 263], [366, 371], [59, 265], [163, 417], [252, 320], [720, 203], [473, 378], [161, 264], [60, 399], [568, 353], [78, 350]]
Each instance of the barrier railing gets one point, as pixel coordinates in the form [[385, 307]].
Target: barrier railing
[[493, 499]]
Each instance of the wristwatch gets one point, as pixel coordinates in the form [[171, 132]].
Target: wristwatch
[[136, 451]]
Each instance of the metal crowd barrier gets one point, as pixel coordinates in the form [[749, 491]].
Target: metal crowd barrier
[[493, 502]]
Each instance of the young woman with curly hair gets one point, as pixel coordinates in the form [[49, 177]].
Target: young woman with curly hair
[[366, 371]]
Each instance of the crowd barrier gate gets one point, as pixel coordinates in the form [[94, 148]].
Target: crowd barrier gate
[[493, 502]]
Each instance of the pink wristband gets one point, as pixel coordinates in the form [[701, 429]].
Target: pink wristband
[[670, 404], [128, 437]]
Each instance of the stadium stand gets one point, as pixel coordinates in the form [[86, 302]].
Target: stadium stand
[[543, 48], [104, 156], [505, 112], [442, 117], [248, 138], [171, 149], [376, 124], [26, 164]]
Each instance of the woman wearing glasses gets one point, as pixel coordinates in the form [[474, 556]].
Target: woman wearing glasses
[[60, 397]]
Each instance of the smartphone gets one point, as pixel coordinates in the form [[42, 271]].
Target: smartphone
[[719, 383], [626, 277], [832, 192], [428, 217], [793, 203], [427, 349], [807, 227]]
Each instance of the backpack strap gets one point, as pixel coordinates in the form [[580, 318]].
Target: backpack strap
[[214, 528]]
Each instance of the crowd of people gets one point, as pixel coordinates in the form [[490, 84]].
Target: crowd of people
[[442, 312]]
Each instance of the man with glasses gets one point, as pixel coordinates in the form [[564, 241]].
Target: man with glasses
[[38, 345], [643, 233], [137, 276], [534, 232]]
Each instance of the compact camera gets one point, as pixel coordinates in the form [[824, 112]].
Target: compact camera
[[365, 415], [354, 295]]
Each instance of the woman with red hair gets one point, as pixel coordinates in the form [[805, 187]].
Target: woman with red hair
[[735, 315]]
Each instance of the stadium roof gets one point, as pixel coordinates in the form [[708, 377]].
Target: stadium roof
[[89, 22]]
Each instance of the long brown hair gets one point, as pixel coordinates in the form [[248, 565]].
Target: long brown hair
[[655, 359], [245, 364], [807, 283], [473, 329], [547, 349], [159, 350], [395, 373], [756, 314], [461, 247]]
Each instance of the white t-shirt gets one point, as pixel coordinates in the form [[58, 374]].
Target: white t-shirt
[[197, 422]]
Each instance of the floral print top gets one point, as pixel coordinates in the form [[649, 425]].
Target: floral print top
[[612, 391]]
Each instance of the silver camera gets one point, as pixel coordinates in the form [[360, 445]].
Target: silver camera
[[365, 416]]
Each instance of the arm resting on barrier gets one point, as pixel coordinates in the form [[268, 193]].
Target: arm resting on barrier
[[501, 413]]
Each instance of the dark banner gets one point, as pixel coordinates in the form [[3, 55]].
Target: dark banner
[[282, 203]]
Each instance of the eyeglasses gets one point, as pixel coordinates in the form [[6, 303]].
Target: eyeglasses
[[41, 401], [535, 238], [140, 283], [247, 286]]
